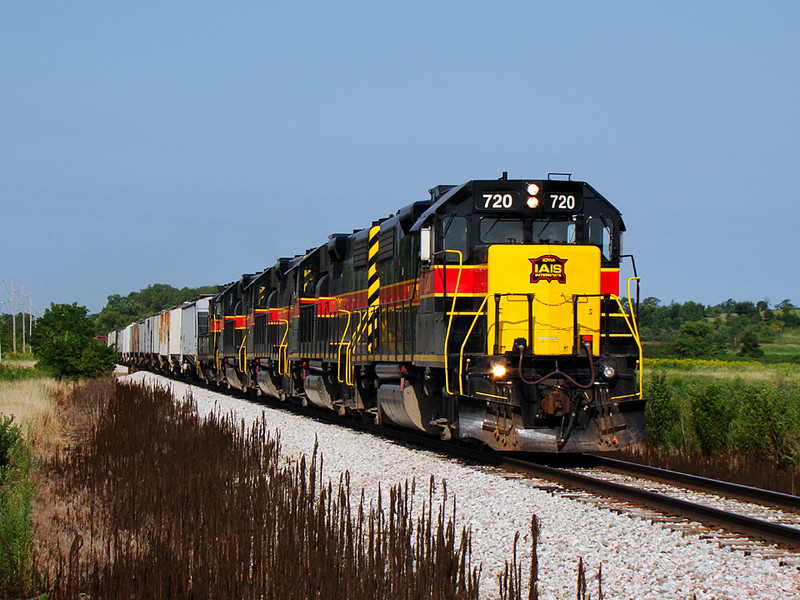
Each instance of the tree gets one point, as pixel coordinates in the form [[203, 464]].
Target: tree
[[749, 345], [63, 341], [695, 338], [123, 310]]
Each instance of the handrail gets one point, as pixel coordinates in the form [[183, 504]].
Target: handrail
[[635, 332], [281, 348], [243, 363], [346, 380], [355, 339], [452, 310], [464, 345]]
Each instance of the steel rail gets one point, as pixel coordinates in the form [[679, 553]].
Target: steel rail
[[757, 528], [727, 488]]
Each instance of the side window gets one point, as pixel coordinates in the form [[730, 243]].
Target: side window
[[308, 283], [261, 296], [600, 235], [454, 237]]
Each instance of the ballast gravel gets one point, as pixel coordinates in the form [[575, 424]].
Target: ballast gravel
[[639, 559]]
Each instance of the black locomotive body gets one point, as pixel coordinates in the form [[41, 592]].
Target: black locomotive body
[[489, 313]]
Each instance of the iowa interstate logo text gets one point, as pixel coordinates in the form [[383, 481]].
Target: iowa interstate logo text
[[548, 268]]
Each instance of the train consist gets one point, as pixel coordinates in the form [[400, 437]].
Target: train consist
[[489, 313]]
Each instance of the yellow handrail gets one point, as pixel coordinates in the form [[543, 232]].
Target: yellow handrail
[[630, 320], [461, 355], [450, 322], [354, 340], [281, 348], [636, 336], [243, 363], [347, 350]]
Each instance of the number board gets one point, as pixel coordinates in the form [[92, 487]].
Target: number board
[[488, 200], [562, 196], [563, 201]]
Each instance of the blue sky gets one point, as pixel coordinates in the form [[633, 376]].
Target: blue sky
[[190, 142]]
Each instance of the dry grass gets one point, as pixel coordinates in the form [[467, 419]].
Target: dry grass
[[149, 501], [29, 401], [23, 363]]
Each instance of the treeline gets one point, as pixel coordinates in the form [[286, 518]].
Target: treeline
[[123, 310], [731, 327]]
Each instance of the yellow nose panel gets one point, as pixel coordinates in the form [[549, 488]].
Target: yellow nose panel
[[553, 274]]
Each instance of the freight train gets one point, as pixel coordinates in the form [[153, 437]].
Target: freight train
[[489, 313]]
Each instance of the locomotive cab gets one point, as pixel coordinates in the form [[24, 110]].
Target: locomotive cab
[[520, 287]]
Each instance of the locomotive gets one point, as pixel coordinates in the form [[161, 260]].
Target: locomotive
[[489, 313]]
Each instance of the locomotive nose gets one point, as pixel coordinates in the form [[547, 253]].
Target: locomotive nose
[[546, 294]]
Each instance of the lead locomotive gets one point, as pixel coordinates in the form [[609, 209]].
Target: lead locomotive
[[489, 313]]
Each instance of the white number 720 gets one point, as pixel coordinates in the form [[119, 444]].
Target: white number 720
[[498, 201]]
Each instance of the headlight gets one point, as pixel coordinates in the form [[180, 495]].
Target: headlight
[[608, 371], [533, 201], [498, 371]]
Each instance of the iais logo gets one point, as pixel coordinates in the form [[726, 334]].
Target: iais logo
[[548, 268]]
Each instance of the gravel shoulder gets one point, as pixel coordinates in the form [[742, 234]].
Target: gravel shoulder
[[639, 559]]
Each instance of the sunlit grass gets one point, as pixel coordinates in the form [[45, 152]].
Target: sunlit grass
[[746, 371], [26, 399]]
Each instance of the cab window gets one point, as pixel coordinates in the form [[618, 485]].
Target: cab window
[[454, 237], [547, 231], [501, 231], [600, 235]]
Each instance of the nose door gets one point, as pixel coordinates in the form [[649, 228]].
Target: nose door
[[536, 286]]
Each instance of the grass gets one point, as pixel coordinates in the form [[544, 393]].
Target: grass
[[17, 370], [152, 501], [785, 345], [738, 421], [691, 369], [26, 422], [18, 572]]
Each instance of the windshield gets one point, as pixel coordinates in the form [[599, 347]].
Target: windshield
[[501, 231], [553, 232]]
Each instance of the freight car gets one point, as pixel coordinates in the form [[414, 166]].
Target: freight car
[[490, 313]]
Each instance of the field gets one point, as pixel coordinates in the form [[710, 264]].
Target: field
[[786, 345], [692, 369], [135, 495]]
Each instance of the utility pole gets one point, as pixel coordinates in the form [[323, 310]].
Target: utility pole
[[23, 319], [13, 320], [1, 334]]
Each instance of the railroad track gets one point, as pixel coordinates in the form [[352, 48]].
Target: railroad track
[[733, 522], [739, 531]]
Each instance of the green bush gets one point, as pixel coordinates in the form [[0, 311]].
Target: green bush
[[769, 423], [11, 372], [663, 413], [695, 339], [63, 342], [711, 417], [730, 418], [18, 573]]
